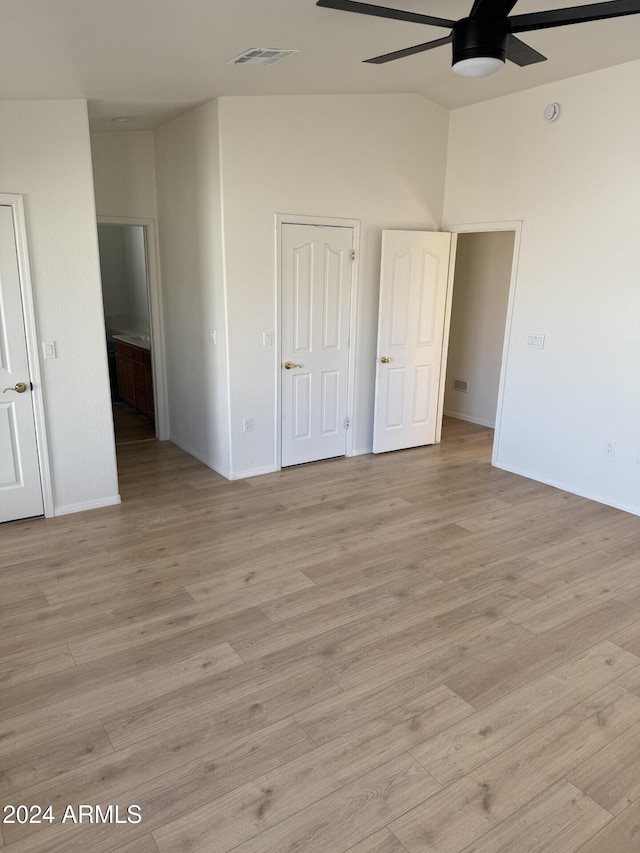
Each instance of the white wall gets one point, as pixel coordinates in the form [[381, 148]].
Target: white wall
[[136, 268], [376, 158], [124, 174], [575, 186], [190, 227], [112, 270], [124, 277], [45, 155], [478, 314]]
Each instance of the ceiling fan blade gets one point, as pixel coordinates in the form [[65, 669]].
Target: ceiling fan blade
[[491, 8], [409, 51], [384, 12], [573, 15], [521, 54]]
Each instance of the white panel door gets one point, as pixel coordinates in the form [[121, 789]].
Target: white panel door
[[20, 486], [316, 298], [413, 298]]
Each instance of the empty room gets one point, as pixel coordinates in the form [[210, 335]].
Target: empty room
[[320, 470]]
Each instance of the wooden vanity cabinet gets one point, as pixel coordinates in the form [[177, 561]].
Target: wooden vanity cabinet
[[135, 379]]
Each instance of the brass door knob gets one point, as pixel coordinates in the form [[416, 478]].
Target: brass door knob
[[289, 365], [385, 359], [19, 387]]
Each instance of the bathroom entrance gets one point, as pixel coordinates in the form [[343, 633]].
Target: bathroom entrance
[[128, 329]]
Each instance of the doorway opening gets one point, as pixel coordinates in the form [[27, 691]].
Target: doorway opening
[[482, 300], [128, 329]]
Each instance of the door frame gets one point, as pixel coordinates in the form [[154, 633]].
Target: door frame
[[515, 226], [154, 290], [327, 221], [445, 332], [16, 203]]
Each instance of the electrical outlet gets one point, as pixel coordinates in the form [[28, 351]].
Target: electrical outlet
[[610, 448], [247, 424], [535, 341], [213, 337]]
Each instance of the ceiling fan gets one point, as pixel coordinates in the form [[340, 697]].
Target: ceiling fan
[[483, 41]]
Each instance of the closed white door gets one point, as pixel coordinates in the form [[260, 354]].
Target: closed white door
[[316, 296], [413, 302], [20, 485]]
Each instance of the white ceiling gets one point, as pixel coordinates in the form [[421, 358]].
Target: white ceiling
[[157, 58]]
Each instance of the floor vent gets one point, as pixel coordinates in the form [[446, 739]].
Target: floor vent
[[460, 385], [261, 56]]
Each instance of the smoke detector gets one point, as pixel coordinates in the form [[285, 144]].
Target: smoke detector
[[261, 56], [552, 112]]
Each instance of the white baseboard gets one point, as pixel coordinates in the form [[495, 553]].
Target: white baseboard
[[68, 509], [633, 510], [360, 451], [470, 419], [253, 472], [228, 475], [199, 456]]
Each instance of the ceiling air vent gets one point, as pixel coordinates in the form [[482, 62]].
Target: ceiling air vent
[[261, 56]]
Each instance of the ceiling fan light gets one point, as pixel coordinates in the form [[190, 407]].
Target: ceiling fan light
[[478, 66]]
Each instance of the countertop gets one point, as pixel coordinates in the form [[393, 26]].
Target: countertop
[[143, 341]]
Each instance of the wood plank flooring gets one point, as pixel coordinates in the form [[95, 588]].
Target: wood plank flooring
[[406, 653]]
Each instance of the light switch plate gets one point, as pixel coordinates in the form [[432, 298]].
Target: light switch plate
[[49, 349]]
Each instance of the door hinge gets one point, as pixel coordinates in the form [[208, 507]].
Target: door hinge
[[353, 254], [347, 423]]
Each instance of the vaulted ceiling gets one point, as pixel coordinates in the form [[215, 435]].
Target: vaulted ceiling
[[154, 59]]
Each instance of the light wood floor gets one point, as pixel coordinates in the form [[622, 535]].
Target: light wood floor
[[395, 654]]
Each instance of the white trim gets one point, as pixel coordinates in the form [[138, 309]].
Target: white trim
[[516, 227], [154, 289], [199, 456], [330, 221], [469, 419], [570, 489], [16, 203], [453, 245], [253, 472], [472, 227], [225, 302], [353, 329], [69, 509], [210, 463], [361, 451]]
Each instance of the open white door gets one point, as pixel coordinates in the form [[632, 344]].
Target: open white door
[[414, 279], [20, 484], [316, 297]]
